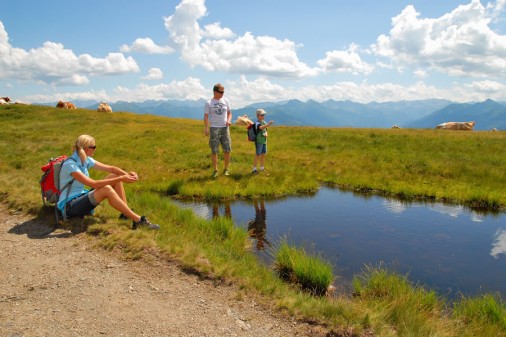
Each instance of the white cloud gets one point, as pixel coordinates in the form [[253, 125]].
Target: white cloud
[[459, 43], [487, 87], [75, 79], [94, 95], [189, 89], [52, 63], [154, 74], [146, 46], [345, 61], [246, 54], [420, 73], [214, 31]]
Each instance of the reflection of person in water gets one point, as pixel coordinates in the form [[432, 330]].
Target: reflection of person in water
[[257, 227], [227, 211]]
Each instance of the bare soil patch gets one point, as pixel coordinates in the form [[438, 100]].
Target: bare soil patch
[[54, 283]]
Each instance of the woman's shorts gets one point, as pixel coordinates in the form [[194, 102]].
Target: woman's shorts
[[220, 136], [260, 149], [82, 205]]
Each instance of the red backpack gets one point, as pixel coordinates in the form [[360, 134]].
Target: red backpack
[[50, 180]]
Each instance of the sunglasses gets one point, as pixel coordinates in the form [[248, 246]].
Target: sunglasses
[[92, 147], [221, 92]]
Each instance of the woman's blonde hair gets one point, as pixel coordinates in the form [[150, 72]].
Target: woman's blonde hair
[[82, 142]]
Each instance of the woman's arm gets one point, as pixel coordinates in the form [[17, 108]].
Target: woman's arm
[[87, 181], [108, 168]]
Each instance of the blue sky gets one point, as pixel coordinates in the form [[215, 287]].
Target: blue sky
[[260, 50]]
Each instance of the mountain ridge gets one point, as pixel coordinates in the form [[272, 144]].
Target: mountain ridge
[[428, 113]]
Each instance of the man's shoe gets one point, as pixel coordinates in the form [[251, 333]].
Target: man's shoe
[[226, 173], [215, 174], [144, 222], [254, 172]]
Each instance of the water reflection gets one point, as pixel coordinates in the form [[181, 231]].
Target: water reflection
[[223, 208], [257, 227], [499, 244], [449, 248]]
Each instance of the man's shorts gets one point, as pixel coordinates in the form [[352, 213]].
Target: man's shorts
[[219, 136], [260, 149], [82, 205]]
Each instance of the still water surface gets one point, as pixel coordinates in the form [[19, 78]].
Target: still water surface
[[448, 248]]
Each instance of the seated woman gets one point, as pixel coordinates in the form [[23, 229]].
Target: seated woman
[[76, 201]]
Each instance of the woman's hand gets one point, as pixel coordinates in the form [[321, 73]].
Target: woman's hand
[[129, 177]]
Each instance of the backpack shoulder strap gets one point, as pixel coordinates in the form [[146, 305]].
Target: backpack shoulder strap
[[66, 187]]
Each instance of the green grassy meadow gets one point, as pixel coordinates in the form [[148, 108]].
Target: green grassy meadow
[[172, 159]]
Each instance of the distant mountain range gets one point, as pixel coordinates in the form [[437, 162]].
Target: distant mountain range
[[406, 114]]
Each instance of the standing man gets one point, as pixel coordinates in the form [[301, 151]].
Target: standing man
[[217, 119]]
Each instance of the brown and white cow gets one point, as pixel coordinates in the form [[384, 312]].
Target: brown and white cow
[[243, 121], [464, 126], [5, 100], [104, 107], [65, 105]]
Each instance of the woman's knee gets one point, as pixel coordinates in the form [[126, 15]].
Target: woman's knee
[[104, 192]]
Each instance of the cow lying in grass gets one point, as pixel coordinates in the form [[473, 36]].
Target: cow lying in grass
[[5, 100], [465, 126], [243, 121], [65, 105], [104, 107]]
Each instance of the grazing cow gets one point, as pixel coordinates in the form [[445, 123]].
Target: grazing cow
[[104, 107], [65, 105], [465, 126], [243, 121], [5, 100], [395, 126]]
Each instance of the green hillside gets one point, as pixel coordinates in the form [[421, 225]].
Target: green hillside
[[172, 158]]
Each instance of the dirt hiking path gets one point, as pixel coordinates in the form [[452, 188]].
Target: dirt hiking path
[[53, 283]]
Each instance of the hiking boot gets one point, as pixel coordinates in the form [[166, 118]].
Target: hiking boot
[[254, 172], [144, 222], [226, 173], [215, 174]]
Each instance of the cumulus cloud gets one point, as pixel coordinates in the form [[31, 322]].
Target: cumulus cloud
[[214, 31], [93, 95], [145, 46], [189, 89], [154, 74], [212, 48], [345, 61], [460, 43], [52, 63], [262, 89]]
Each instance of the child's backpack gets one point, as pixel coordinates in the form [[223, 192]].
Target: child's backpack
[[252, 132], [50, 181]]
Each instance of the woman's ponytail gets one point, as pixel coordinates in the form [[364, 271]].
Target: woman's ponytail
[[82, 142]]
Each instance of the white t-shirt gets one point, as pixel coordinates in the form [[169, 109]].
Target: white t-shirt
[[217, 109]]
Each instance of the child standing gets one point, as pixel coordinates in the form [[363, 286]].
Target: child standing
[[261, 141]]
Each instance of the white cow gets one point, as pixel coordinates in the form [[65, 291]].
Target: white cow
[[243, 121], [104, 107]]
